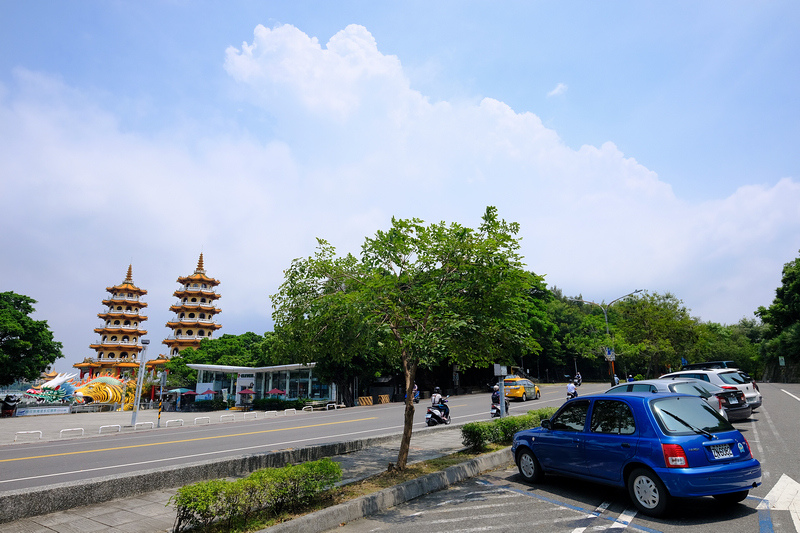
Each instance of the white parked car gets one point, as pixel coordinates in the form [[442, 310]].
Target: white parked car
[[727, 378]]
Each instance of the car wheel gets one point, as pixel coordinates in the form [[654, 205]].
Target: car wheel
[[524, 397], [529, 467], [648, 492], [732, 497], [538, 395]]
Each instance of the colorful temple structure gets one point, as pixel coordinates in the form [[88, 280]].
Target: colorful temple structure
[[117, 351], [194, 312]]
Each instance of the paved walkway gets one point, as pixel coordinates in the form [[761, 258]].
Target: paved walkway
[[150, 512]]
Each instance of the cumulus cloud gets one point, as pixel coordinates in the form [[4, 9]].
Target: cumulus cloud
[[351, 144], [559, 89]]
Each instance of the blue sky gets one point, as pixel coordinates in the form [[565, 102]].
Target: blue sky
[[639, 144]]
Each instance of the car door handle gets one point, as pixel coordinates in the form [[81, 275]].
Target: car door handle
[[626, 445]]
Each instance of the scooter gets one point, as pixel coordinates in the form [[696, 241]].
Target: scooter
[[571, 395], [435, 414], [495, 410], [578, 381], [416, 396]]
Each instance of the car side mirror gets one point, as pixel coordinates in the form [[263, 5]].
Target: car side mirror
[[546, 423]]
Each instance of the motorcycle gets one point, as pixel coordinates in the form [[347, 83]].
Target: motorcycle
[[416, 396], [571, 395], [578, 381], [435, 414], [495, 410]]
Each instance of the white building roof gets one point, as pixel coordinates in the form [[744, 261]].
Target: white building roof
[[251, 370]]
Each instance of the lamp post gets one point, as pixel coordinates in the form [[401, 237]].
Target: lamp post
[[139, 380], [605, 307]]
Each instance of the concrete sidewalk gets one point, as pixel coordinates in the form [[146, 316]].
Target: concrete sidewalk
[[150, 512]]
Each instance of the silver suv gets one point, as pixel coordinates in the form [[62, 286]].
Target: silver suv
[[727, 378]]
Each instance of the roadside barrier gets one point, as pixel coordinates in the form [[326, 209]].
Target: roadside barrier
[[61, 433], [244, 415], [206, 418], [383, 398], [290, 411], [309, 408], [119, 428], [227, 417], [365, 400], [26, 433], [144, 424], [175, 420]]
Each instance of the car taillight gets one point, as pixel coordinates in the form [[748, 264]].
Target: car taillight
[[721, 403], [729, 387], [749, 451], [674, 456]]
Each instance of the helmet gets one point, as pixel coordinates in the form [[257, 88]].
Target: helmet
[[497, 387], [437, 390]]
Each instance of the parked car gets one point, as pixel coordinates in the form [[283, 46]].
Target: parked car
[[731, 404], [521, 388], [728, 378], [709, 365], [658, 446]]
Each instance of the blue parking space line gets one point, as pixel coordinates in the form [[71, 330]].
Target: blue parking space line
[[764, 515]]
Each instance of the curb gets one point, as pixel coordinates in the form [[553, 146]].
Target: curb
[[333, 517]]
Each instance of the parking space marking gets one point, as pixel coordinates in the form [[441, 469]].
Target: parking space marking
[[624, 520]]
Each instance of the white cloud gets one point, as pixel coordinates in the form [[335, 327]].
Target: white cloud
[[559, 89], [353, 145]]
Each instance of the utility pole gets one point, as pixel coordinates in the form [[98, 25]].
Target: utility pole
[[139, 380], [609, 351]]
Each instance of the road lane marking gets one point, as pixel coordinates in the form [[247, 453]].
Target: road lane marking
[[184, 440], [624, 520], [790, 394]]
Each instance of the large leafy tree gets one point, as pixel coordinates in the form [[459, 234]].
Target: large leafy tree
[[782, 319], [419, 296], [27, 346], [231, 350]]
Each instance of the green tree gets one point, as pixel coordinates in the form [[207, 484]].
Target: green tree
[[27, 347], [230, 350], [782, 320], [426, 294], [661, 328]]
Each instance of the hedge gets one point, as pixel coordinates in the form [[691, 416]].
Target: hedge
[[476, 435], [269, 490]]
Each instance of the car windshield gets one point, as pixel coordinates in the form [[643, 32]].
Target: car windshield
[[682, 415], [732, 378]]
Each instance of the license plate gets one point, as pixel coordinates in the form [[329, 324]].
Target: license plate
[[721, 451], [733, 400]]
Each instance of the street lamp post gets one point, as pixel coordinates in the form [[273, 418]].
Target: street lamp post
[[608, 332], [139, 380]]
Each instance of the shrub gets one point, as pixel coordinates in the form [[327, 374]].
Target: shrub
[[476, 435], [271, 490], [276, 404]]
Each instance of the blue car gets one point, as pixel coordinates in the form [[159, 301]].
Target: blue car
[[658, 446]]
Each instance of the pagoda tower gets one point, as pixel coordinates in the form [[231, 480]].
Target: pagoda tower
[[194, 311], [118, 348]]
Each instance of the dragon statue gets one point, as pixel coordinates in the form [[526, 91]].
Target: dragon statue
[[63, 388]]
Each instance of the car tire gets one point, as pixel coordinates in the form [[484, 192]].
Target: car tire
[[529, 467], [647, 492], [524, 397], [538, 395], [731, 498]]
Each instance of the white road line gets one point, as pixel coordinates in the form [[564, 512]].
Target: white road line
[[790, 394], [624, 520]]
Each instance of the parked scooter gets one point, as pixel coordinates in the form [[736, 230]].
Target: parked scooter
[[436, 414]]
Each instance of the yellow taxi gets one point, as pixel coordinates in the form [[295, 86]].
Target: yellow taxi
[[521, 388]]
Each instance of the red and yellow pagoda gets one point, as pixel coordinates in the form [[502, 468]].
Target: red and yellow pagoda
[[194, 311], [118, 349]]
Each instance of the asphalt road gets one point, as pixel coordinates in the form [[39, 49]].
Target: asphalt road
[[501, 501], [39, 463]]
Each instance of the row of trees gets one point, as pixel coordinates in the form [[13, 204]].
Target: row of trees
[[423, 296]]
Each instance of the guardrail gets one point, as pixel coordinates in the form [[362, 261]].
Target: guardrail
[[118, 426], [61, 433], [175, 420], [144, 424], [225, 417], [206, 418]]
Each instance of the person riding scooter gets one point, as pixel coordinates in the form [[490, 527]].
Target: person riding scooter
[[437, 400], [572, 392], [495, 410]]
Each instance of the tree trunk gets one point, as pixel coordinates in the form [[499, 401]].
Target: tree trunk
[[409, 371]]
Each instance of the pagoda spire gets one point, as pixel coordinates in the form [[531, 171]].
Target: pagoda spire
[[129, 277], [200, 269]]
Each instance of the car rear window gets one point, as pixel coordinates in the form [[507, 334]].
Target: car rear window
[[732, 378], [680, 414], [695, 389]]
